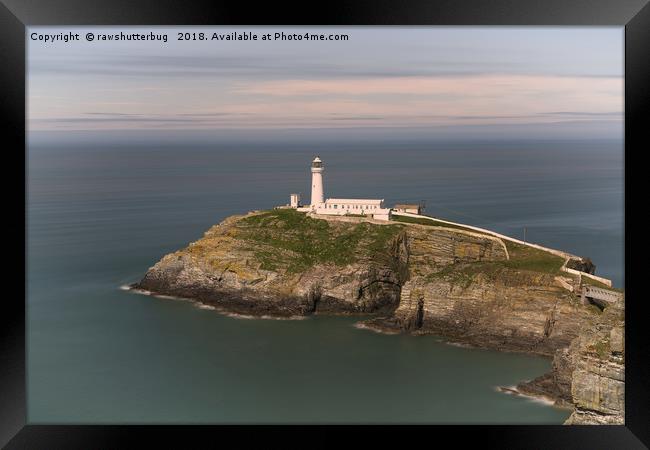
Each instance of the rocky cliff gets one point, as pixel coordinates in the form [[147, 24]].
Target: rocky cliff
[[285, 263], [487, 294], [416, 277], [589, 374]]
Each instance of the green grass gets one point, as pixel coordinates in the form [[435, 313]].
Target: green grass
[[288, 238], [461, 274], [285, 238], [523, 257]]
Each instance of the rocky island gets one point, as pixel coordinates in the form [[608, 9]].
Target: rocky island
[[418, 276]]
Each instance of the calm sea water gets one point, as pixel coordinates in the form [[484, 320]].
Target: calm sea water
[[100, 214]]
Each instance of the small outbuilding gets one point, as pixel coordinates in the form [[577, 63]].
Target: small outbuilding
[[408, 208], [295, 200]]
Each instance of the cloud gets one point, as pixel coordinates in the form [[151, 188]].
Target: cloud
[[381, 78], [482, 85], [96, 120], [583, 113], [283, 66]]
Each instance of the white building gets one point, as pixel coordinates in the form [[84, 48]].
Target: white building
[[317, 170], [354, 206], [408, 208], [295, 200], [339, 206]]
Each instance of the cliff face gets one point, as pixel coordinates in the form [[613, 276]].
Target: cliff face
[[589, 374], [284, 263], [598, 381], [467, 286], [463, 285], [480, 291], [513, 311]]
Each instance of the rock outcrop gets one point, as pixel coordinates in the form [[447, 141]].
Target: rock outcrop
[[466, 286], [284, 263], [485, 295], [582, 264], [589, 374]]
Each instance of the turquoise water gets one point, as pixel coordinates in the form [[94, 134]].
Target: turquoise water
[[100, 214]]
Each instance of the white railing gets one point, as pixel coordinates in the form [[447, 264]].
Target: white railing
[[493, 233], [605, 281]]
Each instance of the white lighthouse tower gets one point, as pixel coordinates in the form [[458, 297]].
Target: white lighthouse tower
[[317, 182], [356, 207]]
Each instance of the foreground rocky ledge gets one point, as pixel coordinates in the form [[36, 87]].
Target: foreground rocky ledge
[[589, 374], [465, 286]]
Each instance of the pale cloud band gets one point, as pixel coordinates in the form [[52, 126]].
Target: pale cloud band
[[409, 83]]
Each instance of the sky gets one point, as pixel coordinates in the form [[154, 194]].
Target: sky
[[491, 79]]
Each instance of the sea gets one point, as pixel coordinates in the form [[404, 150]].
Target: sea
[[100, 212]]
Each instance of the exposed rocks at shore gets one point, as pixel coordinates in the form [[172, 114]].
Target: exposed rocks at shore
[[468, 287], [590, 373]]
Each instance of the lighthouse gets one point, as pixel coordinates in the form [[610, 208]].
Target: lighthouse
[[317, 182], [356, 207]]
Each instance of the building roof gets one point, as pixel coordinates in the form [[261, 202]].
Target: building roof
[[354, 201], [406, 205]]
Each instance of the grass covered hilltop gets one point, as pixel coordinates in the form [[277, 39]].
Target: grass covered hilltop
[[414, 275], [289, 240]]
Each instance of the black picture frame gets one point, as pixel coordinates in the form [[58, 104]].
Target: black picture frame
[[16, 15]]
